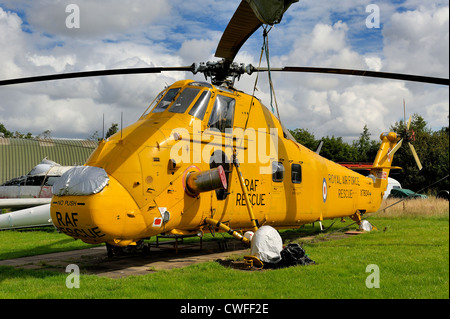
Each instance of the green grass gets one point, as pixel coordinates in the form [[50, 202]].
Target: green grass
[[412, 255], [14, 244]]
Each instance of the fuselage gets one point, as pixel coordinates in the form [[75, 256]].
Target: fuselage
[[194, 126]]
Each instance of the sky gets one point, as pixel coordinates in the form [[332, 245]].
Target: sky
[[411, 37]]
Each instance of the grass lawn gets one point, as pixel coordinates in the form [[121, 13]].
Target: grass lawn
[[411, 253]]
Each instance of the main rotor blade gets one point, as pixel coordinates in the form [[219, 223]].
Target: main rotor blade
[[375, 74], [241, 26], [93, 74], [416, 158]]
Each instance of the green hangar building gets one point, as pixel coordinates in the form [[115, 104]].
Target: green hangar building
[[19, 156]]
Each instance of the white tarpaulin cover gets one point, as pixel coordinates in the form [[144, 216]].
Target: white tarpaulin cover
[[81, 180], [267, 244]]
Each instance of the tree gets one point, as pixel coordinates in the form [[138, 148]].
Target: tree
[[304, 137], [94, 137], [45, 135], [433, 151], [367, 149], [431, 147], [336, 150], [5, 132], [113, 129], [16, 134]]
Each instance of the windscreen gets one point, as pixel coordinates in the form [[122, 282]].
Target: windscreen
[[166, 100], [184, 100]]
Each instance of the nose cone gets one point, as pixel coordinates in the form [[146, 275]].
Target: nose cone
[[109, 215]]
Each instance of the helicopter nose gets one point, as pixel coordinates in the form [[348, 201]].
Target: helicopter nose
[[90, 205]]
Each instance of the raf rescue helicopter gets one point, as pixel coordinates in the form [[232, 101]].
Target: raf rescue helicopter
[[205, 156]]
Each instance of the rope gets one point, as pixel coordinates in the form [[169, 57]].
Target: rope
[[254, 88], [272, 90]]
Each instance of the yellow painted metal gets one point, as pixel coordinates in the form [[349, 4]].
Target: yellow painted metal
[[253, 261], [227, 229], [245, 193], [146, 194]]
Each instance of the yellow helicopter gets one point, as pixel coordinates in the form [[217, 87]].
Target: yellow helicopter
[[207, 156]]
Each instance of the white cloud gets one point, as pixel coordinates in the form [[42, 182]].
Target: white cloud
[[418, 41], [97, 18], [12, 41], [341, 105], [162, 33]]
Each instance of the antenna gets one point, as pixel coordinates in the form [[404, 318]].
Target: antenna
[[121, 124]]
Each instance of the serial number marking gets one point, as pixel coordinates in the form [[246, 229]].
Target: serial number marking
[[365, 193]]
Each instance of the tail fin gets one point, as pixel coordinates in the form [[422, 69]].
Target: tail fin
[[390, 143]]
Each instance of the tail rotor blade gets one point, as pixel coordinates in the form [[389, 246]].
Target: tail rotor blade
[[413, 150], [396, 147], [409, 123]]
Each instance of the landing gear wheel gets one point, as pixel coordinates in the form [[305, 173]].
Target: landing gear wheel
[[140, 247], [113, 250]]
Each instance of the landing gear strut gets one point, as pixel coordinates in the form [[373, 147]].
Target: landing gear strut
[[139, 248]]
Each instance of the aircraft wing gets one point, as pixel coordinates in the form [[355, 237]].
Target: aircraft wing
[[19, 203], [32, 217]]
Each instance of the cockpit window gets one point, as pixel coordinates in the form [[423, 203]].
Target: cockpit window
[[184, 100], [199, 108], [166, 100], [222, 113], [154, 102]]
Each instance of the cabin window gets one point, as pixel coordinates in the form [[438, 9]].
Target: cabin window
[[277, 172], [199, 108], [222, 113], [183, 101], [219, 158], [296, 173], [166, 100]]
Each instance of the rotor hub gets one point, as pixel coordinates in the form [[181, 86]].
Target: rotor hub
[[221, 71]]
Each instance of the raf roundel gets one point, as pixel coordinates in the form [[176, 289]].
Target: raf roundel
[[324, 190]]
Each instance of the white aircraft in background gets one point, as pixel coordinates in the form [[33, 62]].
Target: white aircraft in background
[[31, 194]]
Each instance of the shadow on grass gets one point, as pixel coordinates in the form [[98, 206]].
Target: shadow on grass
[[10, 272], [53, 247]]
